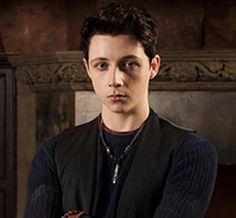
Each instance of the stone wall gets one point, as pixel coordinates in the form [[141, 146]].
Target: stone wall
[[46, 26]]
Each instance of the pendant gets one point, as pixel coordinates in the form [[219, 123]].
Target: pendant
[[115, 174]]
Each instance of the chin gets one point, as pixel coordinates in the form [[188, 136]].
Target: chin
[[118, 108], [121, 109]]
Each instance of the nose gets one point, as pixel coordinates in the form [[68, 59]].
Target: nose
[[114, 78]]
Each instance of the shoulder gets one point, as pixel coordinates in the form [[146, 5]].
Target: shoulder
[[82, 129], [49, 146], [47, 150], [170, 133], [45, 153], [166, 124], [187, 141], [197, 154], [198, 144]]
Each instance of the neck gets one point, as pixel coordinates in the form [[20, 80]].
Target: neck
[[124, 122]]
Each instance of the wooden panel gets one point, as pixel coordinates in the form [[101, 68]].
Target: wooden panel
[[7, 145], [2, 127], [2, 204], [224, 197]]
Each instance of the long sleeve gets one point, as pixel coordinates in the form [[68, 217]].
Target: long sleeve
[[190, 182], [44, 194]]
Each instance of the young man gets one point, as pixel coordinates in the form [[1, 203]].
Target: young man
[[127, 162]]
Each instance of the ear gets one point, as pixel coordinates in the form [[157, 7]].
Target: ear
[[86, 67], [155, 65]]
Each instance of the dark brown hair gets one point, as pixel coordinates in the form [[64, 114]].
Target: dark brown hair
[[121, 18]]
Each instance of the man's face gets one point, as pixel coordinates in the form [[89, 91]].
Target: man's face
[[120, 72]]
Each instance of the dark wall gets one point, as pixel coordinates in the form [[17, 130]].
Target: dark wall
[[44, 26]]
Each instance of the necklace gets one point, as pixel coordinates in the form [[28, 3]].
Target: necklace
[[117, 159]]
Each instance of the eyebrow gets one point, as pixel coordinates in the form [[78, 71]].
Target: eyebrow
[[98, 59], [106, 59], [130, 57]]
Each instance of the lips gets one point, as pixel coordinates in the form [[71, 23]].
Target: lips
[[117, 97]]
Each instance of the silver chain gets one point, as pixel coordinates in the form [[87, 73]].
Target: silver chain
[[113, 157]]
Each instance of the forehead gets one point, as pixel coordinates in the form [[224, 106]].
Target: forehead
[[108, 46]]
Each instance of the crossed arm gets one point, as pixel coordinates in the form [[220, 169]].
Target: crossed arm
[[187, 192]]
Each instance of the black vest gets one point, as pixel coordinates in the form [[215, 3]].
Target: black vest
[[76, 156]]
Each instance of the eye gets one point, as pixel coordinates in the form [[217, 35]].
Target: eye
[[102, 66], [129, 65]]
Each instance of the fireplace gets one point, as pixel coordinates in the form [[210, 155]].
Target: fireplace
[[194, 89]]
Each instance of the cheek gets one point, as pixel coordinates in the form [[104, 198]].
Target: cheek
[[140, 85], [140, 81], [98, 87]]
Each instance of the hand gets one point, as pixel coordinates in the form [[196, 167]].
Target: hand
[[74, 214]]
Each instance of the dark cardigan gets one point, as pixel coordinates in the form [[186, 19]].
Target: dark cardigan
[[171, 173]]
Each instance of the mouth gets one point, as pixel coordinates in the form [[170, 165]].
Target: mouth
[[117, 97]]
